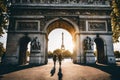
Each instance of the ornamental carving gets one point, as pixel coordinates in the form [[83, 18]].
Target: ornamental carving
[[88, 43], [32, 26], [96, 26], [85, 2], [35, 44], [56, 12]]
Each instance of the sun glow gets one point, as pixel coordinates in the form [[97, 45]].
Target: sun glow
[[55, 40]]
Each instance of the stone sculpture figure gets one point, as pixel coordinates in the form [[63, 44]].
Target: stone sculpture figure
[[88, 43], [35, 44]]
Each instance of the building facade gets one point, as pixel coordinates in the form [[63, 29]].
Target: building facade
[[31, 21]]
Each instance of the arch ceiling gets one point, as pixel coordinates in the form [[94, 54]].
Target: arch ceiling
[[61, 24]]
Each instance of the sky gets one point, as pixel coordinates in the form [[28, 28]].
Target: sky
[[117, 46], [55, 40], [3, 39]]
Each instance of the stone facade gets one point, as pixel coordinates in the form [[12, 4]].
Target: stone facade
[[82, 18]]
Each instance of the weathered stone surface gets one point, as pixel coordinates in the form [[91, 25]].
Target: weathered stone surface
[[37, 18]]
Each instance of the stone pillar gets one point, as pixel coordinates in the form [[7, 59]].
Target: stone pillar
[[46, 48], [20, 1], [36, 54], [109, 53], [88, 49], [28, 1], [13, 1], [90, 58], [81, 51], [36, 57], [12, 49], [77, 48]]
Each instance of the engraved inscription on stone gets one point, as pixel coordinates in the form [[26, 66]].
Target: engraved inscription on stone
[[27, 26], [96, 26]]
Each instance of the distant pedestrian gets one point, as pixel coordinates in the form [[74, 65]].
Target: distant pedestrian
[[54, 59], [60, 59]]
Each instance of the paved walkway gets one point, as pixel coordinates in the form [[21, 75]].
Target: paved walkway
[[68, 71]]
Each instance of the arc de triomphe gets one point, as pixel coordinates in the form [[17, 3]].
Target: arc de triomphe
[[31, 21]]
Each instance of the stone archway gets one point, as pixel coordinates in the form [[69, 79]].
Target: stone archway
[[66, 24], [40, 20], [61, 24]]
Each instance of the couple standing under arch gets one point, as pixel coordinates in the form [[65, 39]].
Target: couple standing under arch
[[57, 57]]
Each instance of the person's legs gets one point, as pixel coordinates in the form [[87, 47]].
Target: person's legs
[[60, 63], [54, 63]]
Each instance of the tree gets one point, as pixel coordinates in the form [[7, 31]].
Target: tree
[[2, 49], [3, 16], [117, 54], [27, 53], [115, 19], [95, 53], [57, 51], [50, 54], [66, 54]]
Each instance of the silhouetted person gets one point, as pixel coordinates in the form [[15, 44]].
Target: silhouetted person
[[54, 59], [59, 59]]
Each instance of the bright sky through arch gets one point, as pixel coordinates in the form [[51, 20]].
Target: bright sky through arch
[[52, 40], [55, 40]]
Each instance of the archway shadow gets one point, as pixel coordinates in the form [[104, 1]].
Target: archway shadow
[[112, 69], [52, 72], [5, 69], [60, 75]]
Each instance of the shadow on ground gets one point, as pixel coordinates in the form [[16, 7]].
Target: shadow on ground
[[113, 70], [52, 72], [5, 69], [60, 74]]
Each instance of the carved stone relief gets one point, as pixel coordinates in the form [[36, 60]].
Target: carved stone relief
[[88, 43], [21, 26], [95, 2], [96, 26], [56, 12], [35, 44]]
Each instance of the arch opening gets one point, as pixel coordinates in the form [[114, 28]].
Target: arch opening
[[61, 24], [100, 51], [55, 40], [23, 50]]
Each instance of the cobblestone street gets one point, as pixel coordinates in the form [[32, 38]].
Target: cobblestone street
[[68, 71]]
